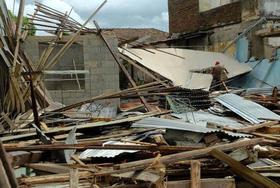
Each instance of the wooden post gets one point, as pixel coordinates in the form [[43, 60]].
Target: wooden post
[[18, 31], [143, 100], [4, 182], [74, 178], [8, 167], [195, 174], [248, 174]]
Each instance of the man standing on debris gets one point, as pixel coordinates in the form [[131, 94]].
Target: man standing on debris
[[219, 73]]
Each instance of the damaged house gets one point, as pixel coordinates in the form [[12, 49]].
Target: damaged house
[[246, 30], [89, 107]]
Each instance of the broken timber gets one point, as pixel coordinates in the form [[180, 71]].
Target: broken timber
[[245, 172]]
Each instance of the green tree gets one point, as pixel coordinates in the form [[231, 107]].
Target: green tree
[[32, 28]]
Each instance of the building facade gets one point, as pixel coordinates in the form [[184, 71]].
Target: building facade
[[213, 25]]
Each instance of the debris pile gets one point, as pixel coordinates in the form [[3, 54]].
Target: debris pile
[[172, 132]]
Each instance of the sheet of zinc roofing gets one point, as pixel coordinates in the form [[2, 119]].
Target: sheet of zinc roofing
[[249, 110], [106, 153], [153, 122]]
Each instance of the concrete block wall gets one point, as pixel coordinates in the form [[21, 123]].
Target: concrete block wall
[[103, 70]]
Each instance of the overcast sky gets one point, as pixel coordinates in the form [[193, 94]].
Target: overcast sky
[[116, 13]]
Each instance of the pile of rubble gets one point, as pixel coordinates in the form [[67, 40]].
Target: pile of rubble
[[162, 135]]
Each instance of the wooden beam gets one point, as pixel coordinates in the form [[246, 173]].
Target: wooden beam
[[55, 59], [130, 79], [248, 174], [205, 183], [104, 96], [74, 178], [256, 127], [48, 167], [18, 31], [76, 74], [195, 174], [84, 126], [99, 145], [169, 159], [4, 182], [52, 178], [8, 167], [67, 72]]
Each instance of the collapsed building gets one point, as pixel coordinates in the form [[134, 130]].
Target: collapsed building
[[88, 107], [246, 30], [216, 26]]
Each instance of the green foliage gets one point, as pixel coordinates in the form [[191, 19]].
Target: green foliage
[[32, 28]]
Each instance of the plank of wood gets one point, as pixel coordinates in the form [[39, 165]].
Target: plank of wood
[[78, 161], [73, 38], [195, 174], [85, 126], [18, 31], [99, 145], [74, 178], [20, 158], [66, 72], [52, 178], [76, 74], [130, 79], [205, 183], [104, 96], [248, 174], [147, 176], [4, 182], [8, 167], [258, 126], [266, 136], [48, 167]]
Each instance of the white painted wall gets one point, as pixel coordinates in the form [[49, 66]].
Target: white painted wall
[[205, 5], [270, 7]]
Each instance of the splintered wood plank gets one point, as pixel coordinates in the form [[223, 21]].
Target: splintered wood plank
[[195, 174], [248, 174]]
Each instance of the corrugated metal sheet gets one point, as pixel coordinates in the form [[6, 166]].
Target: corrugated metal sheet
[[250, 111], [153, 122], [200, 117], [106, 153], [264, 74]]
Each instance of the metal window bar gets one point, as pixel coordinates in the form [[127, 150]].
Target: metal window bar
[[178, 105]]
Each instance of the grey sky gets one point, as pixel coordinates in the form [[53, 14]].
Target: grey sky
[[116, 13]]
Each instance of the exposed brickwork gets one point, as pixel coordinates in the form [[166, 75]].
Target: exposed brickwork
[[227, 14], [130, 33], [184, 16]]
